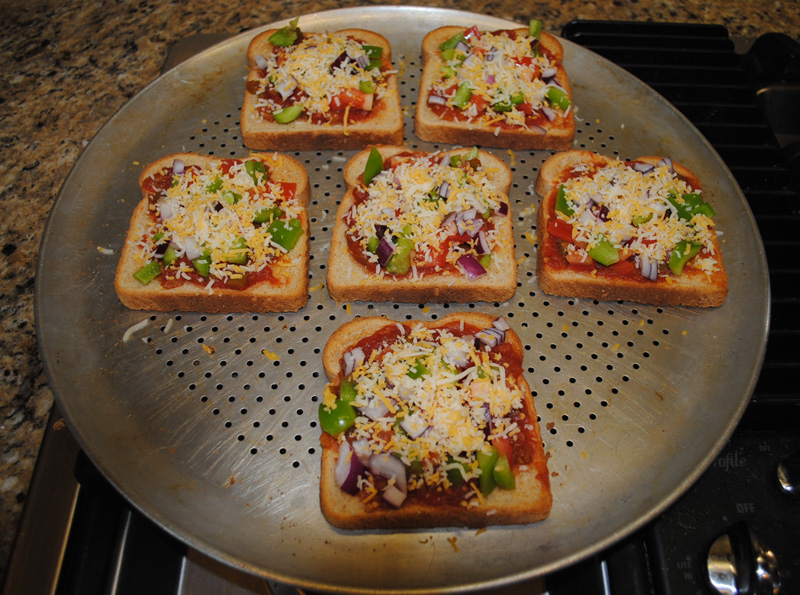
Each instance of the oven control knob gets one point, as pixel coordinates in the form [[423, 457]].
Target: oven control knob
[[789, 475], [738, 565]]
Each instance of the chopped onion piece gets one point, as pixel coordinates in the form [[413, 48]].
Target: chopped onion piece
[[165, 209], [436, 99], [394, 496], [643, 167], [501, 324], [548, 73], [482, 247], [538, 129], [490, 337], [353, 359], [472, 268], [178, 167], [375, 410], [286, 88], [503, 209], [348, 468], [192, 248], [391, 468], [444, 190], [489, 79], [261, 61], [385, 250], [462, 47], [666, 161], [362, 61], [549, 113]]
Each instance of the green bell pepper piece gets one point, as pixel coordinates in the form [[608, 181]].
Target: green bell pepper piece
[[503, 474], [604, 252], [641, 219], [238, 257], [502, 106], [374, 54], [285, 36], [170, 256], [286, 233], [558, 98], [682, 253], [535, 28], [367, 87], [202, 264], [231, 197], [148, 272], [453, 41], [374, 165], [337, 419], [257, 170], [268, 214], [486, 463], [456, 160], [453, 474], [418, 370], [448, 54], [288, 114], [562, 204], [691, 205], [215, 186], [462, 96], [400, 260], [347, 391], [447, 71], [373, 243], [486, 261]]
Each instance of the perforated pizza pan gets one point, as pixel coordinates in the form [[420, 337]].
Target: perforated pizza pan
[[208, 423]]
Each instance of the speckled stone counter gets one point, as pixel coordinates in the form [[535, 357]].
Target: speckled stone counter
[[67, 66]]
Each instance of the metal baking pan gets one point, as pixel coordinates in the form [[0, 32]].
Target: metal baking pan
[[208, 423]]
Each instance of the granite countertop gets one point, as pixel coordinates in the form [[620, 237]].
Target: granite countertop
[[69, 65]]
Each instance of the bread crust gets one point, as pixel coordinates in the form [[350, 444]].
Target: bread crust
[[692, 288], [289, 294], [428, 126], [348, 280], [529, 502], [384, 126]]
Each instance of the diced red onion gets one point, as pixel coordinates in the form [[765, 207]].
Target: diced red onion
[[648, 267], [261, 61], [457, 357], [482, 246], [192, 248], [394, 496], [490, 336], [161, 249], [490, 79], [353, 359], [643, 168], [178, 167], [286, 88], [602, 213], [391, 468], [165, 209], [549, 113], [462, 47], [463, 219], [534, 44], [436, 99], [502, 209], [449, 224], [490, 55], [385, 250], [397, 182], [501, 324], [666, 161], [362, 61], [537, 129], [472, 268], [375, 410], [341, 61], [470, 61], [548, 74], [348, 468], [362, 450], [413, 428], [444, 190], [380, 229]]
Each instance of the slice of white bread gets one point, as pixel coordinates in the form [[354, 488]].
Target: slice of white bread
[[384, 124], [528, 502], [693, 287], [558, 133], [350, 280], [287, 291]]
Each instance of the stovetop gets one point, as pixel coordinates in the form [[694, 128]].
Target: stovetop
[[80, 536]]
